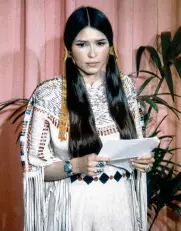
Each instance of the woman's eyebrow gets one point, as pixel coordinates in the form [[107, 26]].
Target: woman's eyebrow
[[101, 40], [85, 41]]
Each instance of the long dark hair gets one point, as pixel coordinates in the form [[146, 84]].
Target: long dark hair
[[83, 137]]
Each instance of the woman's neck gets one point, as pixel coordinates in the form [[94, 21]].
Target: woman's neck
[[90, 79]]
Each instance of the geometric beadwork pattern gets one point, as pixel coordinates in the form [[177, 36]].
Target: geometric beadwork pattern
[[103, 178]]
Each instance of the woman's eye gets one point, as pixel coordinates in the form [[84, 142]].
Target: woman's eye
[[101, 43], [81, 44]]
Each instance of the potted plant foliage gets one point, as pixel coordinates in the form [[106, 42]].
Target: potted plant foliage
[[164, 181]]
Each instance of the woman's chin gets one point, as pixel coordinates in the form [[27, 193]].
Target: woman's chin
[[92, 71]]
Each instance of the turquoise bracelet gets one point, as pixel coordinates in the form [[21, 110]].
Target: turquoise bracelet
[[68, 168]]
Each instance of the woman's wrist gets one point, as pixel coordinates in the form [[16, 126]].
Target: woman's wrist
[[75, 165]]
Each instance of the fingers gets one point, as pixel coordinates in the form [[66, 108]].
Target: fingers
[[98, 171], [143, 161], [95, 164], [103, 158], [141, 166], [145, 157], [98, 158], [94, 171]]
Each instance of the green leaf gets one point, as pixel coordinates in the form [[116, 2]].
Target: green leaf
[[177, 64], [142, 103], [166, 93], [146, 119], [158, 125], [145, 83], [173, 184], [165, 167], [176, 44], [18, 116], [147, 72], [14, 102], [177, 197], [169, 80], [173, 149], [138, 57], [165, 42], [171, 162], [154, 55], [175, 208], [155, 133], [150, 102], [159, 100], [18, 110], [166, 136]]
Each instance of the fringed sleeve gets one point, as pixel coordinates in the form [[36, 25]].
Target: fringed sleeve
[[140, 182], [36, 154]]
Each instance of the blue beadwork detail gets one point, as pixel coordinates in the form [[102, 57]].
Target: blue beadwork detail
[[117, 176], [104, 178], [88, 179]]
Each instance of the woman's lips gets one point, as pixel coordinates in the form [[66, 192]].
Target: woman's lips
[[93, 64]]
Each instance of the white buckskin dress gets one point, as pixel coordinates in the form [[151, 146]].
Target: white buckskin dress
[[112, 201]]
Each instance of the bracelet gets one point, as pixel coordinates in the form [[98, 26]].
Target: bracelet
[[68, 168]]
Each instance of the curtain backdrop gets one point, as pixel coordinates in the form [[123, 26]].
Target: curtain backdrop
[[31, 51]]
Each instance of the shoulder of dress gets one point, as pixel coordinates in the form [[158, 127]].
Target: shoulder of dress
[[47, 85], [126, 79], [129, 86], [49, 88], [48, 95]]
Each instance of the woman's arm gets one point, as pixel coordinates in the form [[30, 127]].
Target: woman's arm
[[41, 154], [86, 164]]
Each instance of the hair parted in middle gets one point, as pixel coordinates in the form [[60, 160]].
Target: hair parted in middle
[[83, 137]]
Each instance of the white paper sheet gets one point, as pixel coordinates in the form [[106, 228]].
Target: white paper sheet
[[121, 151]]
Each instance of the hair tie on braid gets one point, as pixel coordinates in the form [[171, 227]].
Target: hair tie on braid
[[63, 121], [113, 52]]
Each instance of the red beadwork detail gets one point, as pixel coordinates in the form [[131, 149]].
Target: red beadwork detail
[[50, 117], [79, 178], [104, 131]]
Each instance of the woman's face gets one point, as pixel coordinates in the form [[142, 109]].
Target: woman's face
[[90, 51]]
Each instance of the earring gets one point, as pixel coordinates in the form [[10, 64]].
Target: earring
[[112, 52], [67, 54]]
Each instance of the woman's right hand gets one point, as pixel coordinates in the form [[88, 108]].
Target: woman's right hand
[[91, 164]]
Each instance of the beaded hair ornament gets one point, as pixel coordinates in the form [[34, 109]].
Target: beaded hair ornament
[[64, 120]]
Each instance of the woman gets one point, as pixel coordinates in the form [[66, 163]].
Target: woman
[[67, 185]]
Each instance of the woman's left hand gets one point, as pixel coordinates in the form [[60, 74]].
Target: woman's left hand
[[143, 163]]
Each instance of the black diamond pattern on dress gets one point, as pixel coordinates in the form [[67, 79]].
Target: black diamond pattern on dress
[[88, 179], [104, 178], [73, 178], [117, 176]]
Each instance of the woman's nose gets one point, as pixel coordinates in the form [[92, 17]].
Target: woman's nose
[[92, 52]]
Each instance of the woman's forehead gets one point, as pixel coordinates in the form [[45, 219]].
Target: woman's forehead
[[90, 34]]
